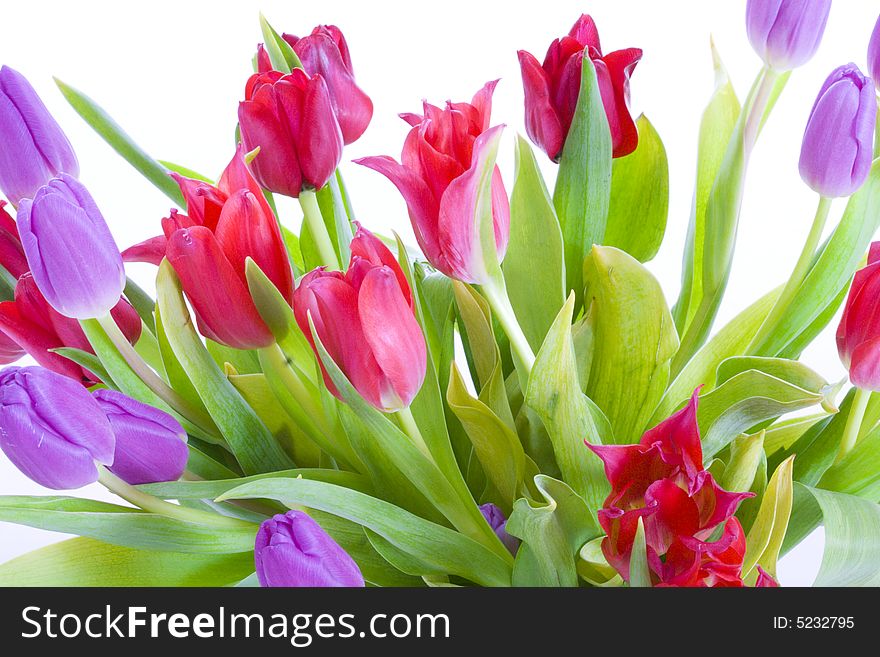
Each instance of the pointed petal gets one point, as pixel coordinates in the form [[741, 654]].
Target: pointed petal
[[151, 251], [542, 121]]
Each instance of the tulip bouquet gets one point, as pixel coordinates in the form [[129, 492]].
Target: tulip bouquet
[[514, 402]]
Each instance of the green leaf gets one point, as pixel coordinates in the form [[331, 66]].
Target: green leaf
[[716, 128], [568, 414], [746, 400], [852, 539], [536, 285], [583, 184], [746, 453], [433, 544], [123, 526], [633, 340], [783, 434], [281, 55], [86, 360], [253, 445], [639, 572], [185, 172], [142, 303], [110, 132], [858, 473], [552, 534], [419, 468], [333, 210], [833, 268], [765, 538], [731, 340], [639, 196], [87, 562]]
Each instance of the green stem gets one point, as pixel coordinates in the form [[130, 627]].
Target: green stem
[[496, 293], [153, 504], [152, 380], [411, 429], [853, 423], [793, 286], [315, 220], [758, 108]]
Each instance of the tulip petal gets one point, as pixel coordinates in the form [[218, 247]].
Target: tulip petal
[[393, 335], [151, 251], [221, 300], [678, 438], [864, 369], [369, 247], [542, 122], [620, 65], [465, 207], [276, 166], [36, 341]]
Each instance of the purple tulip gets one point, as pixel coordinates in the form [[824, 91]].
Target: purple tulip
[[69, 248], [786, 33], [498, 523], [874, 53], [838, 144], [52, 429], [150, 444], [33, 149], [293, 550]]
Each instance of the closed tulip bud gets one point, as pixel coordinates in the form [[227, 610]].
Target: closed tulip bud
[[498, 523], [552, 89], [33, 148], [70, 250], [838, 145], [52, 429], [858, 334], [443, 161], [786, 33], [290, 119], [324, 52], [209, 248], [292, 550], [874, 53], [150, 444], [364, 318], [30, 322]]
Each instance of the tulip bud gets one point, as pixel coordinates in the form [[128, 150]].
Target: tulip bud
[[70, 250], [858, 334], [446, 155], [364, 318], [874, 54], [324, 52], [52, 429], [786, 33], [293, 550], [33, 148], [150, 444], [498, 523], [838, 145], [290, 118], [552, 89]]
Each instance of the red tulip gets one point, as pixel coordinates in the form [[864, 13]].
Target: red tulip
[[36, 327], [12, 257], [765, 581], [290, 118], [858, 335], [662, 481], [552, 89], [444, 157], [693, 563], [209, 247], [365, 321], [324, 52]]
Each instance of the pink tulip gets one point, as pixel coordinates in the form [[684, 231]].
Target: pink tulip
[[858, 335], [444, 157], [364, 318]]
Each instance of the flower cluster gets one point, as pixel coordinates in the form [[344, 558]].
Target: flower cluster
[[661, 482]]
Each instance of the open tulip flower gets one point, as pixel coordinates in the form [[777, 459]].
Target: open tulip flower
[[504, 394], [552, 88]]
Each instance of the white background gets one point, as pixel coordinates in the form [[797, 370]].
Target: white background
[[172, 73]]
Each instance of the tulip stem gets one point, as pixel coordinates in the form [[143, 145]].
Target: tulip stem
[[308, 201], [496, 293], [792, 287], [152, 380], [153, 504], [411, 429], [758, 107], [853, 423]]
